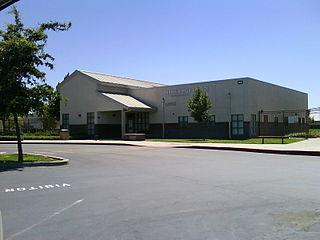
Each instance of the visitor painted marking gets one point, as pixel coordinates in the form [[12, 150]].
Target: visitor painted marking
[[39, 187]]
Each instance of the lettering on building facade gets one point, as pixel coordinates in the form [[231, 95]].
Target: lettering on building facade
[[184, 91]]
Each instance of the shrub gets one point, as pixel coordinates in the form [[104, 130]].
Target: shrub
[[49, 133], [12, 138], [313, 133]]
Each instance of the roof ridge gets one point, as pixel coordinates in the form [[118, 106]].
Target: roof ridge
[[110, 75]]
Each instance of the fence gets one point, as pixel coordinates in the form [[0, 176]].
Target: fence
[[314, 122], [280, 123]]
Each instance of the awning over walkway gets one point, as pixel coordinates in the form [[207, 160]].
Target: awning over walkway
[[128, 102]]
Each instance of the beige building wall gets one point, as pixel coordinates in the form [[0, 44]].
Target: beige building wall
[[176, 99], [236, 96], [82, 97], [112, 117], [269, 97]]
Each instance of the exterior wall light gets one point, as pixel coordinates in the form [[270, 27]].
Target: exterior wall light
[[240, 82]]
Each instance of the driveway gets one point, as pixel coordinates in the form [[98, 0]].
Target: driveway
[[125, 192]]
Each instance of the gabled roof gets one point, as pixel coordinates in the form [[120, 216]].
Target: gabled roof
[[127, 101], [105, 78]]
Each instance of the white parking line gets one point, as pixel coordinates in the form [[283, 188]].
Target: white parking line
[[1, 228], [43, 220]]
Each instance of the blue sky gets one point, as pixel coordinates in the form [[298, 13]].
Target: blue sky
[[182, 41]]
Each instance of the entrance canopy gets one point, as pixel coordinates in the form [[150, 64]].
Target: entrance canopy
[[127, 102]]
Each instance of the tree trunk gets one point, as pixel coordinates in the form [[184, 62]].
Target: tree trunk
[[18, 133]]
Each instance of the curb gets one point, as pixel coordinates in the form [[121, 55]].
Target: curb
[[76, 143], [240, 149], [11, 165], [255, 150]]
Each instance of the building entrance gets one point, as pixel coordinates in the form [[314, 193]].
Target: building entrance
[[137, 122]]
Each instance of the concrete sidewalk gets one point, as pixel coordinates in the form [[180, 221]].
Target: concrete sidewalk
[[308, 147]]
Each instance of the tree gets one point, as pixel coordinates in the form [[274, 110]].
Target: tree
[[50, 111], [3, 113], [22, 54], [199, 105]]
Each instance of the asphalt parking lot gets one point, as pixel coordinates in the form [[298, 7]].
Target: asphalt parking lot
[[123, 192]]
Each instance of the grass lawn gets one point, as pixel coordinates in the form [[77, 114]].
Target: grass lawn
[[26, 158], [252, 140]]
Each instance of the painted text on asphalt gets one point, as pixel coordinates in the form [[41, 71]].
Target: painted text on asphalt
[[40, 187]]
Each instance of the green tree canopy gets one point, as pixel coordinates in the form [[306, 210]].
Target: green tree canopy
[[50, 109], [22, 60], [199, 106]]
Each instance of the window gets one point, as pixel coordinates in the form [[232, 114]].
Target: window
[[137, 122], [237, 124], [141, 122], [276, 121], [183, 121], [265, 118], [90, 123], [65, 120]]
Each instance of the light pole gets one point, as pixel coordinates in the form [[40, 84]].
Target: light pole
[[163, 116]]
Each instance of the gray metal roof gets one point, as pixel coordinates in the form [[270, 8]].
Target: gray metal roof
[[105, 78], [127, 101]]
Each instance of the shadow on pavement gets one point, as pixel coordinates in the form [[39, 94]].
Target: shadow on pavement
[[10, 168]]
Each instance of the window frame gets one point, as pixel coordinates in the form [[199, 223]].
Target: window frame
[[141, 122], [65, 117], [90, 123], [237, 124], [183, 121]]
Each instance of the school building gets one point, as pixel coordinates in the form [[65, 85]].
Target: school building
[[106, 106]]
